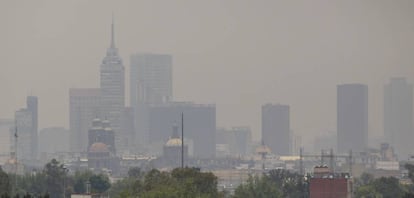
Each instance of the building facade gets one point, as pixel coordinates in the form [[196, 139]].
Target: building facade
[[25, 140], [150, 83], [276, 128], [352, 117], [150, 78], [112, 84], [84, 106], [199, 126], [398, 116]]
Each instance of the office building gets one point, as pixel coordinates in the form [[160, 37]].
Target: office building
[[398, 116], [276, 128], [6, 139], [127, 131], [236, 141], [32, 106], [112, 84], [352, 117], [84, 106], [151, 78], [150, 83], [199, 126], [25, 141]]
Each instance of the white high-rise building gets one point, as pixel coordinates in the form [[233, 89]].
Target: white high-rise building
[[112, 82]]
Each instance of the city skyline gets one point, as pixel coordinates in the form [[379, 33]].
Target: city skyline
[[218, 70]]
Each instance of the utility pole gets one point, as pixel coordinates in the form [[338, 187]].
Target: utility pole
[[182, 140], [15, 156]]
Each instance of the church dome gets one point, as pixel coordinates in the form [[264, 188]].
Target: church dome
[[98, 147], [174, 142]]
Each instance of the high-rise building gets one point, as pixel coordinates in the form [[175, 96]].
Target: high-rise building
[[150, 83], [398, 116], [84, 106], [352, 117], [150, 78], [26, 122], [112, 82], [199, 126], [24, 128], [276, 128], [32, 106], [6, 139]]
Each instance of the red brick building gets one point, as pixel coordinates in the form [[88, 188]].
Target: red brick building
[[325, 184]]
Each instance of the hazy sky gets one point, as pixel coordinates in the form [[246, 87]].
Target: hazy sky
[[237, 54]]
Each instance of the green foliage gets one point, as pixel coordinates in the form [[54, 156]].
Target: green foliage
[[55, 174], [180, 183], [258, 187], [99, 183], [385, 187], [4, 183]]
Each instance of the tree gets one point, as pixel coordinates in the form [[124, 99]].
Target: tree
[[99, 183], [258, 187], [4, 183], [55, 174]]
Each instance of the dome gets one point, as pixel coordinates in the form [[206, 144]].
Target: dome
[[173, 142], [98, 147]]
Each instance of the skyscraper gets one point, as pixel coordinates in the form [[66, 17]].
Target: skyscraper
[[276, 128], [150, 78], [24, 127], [32, 106], [352, 117], [84, 106], [112, 82], [398, 116], [150, 83]]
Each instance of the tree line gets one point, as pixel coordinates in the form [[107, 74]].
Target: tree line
[[54, 181]]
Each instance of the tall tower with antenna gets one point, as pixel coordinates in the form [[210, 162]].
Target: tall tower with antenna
[[112, 83]]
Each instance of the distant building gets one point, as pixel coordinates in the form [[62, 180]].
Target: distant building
[[127, 131], [151, 78], [276, 128], [112, 83], [150, 83], [24, 128], [352, 117], [398, 116], [173, 148], [199, 126], [53, 139], [84, 106], [101, 150], [32, 106], [6, 139], [237, 141], [101, 131]]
